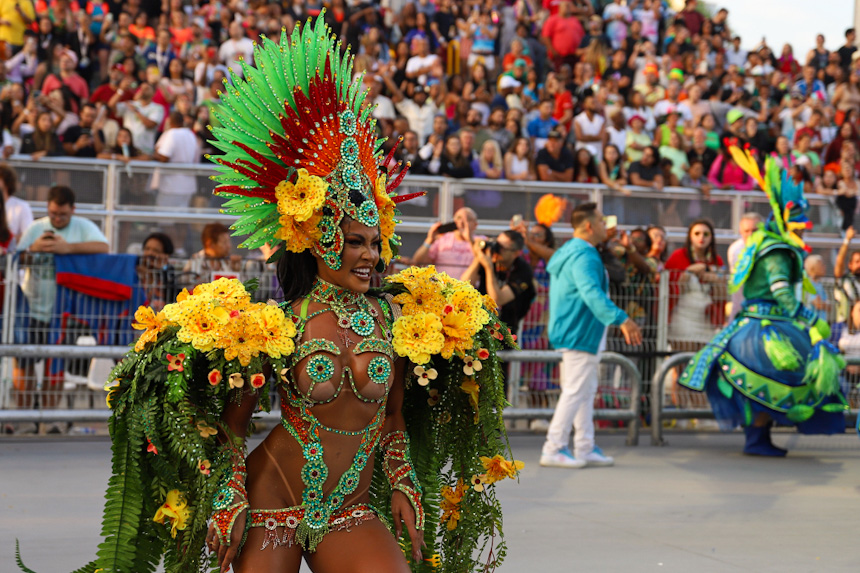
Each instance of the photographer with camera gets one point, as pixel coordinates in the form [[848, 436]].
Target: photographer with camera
[[499, 270], [449, 245]]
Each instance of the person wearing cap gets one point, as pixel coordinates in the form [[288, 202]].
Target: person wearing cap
[[664, 131], [555, 161], [68, 77], [418, 110], [651, 89], [637, 140]]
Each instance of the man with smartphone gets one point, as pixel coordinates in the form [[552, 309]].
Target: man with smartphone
[[449, 245], [580, 310]]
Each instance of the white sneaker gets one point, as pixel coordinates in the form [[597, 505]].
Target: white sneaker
[[561, 459], [597, 458]]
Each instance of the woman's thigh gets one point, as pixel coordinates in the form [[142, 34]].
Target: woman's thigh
[[272, 559], [365, 548]]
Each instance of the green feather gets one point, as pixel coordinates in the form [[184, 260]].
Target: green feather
[[800, 413], [780, 351]]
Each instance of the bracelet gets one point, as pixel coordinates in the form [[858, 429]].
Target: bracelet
[[403, 471], [230, 500], [428, 245]]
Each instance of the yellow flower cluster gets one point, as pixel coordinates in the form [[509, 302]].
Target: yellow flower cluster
[[498, 468], [434, 304], [174, 511], [220, 315], [450, 504], [386, 208], [300, 207]]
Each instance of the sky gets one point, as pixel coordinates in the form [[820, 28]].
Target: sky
[[796, 22]]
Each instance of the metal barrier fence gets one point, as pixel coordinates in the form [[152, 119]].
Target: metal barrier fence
[[123, 198], [686, 404]]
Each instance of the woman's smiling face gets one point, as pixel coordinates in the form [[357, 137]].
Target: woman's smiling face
[[360, 255]]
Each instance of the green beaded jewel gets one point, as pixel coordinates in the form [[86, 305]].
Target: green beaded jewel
[[320, 368], [379, 370]]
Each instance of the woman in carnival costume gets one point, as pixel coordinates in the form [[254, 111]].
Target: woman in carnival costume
[[391, 400], [773, 361]]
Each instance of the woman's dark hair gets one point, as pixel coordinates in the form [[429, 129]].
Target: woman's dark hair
[[711, 254], [590, 167], [458, 161], [132, 150], [665, 254], [297, 273], [547, 232], [166, 242], [10, 179], [44, 140], [5, 233]]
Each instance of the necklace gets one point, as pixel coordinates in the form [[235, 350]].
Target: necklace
[[360, 320]]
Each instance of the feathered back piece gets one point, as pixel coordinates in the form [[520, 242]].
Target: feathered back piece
[[300, 152], [784, 194]]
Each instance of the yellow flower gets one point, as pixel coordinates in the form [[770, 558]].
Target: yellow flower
[[183, 294], [435, 561], [152, 324], [299, 236], [421, 298], [175, 511], [498, 468], [230, 293], [490, 304], [242, 339], [276, 331], [450, 504], [412, 275], [301, 199], [200, 320], [418, 337], [205, 467], [470, 387], [458, 335], [205, 431], [112, 391]]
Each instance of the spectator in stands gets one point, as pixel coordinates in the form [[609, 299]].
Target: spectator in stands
[[69, 78], [637, 141], [847, 190], [590, 128], [141, 115], [124, 150], [539, 127], [847, 291], [496, 129], [809, 86], [584, 167], [419, 110], [450, 252], [160, 53], [647, 172], [235, 48], [712, 138], [562, 34], [178, 144], [19, 216], [43, 141], [157, 275], [674, 152], [499, 270], [409, 152], [804, 154], [815, 270], [611, 170], [726, 174], [847, 134], [580, 311], [555, 162], [62, 233], [215, 257], [659, 245], [85, 139], [518, 161], [699, 151], [664, 131], [449, 159], [488, 164], [695, 178]]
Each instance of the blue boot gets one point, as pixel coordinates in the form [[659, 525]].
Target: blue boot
[[759, 444]]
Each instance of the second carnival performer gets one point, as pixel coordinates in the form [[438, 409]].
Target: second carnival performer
[[391, 435], [772, 363]]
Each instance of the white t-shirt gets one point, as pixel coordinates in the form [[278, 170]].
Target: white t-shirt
[[416, 63], [384, 108], [231, 50], [420, 118], [19, 216], [179, 145], [144, 138], [590, 127]]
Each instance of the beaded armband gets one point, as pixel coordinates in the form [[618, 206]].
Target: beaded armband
[[400, 472], [230, 500]]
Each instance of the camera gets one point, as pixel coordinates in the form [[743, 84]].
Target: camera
[[491, 247]]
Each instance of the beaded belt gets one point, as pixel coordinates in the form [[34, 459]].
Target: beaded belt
[[289, 518]]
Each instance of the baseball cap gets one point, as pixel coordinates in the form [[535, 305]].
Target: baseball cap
[[554, 134], [418, 89], [676, 74], [71, 55], [734, 115], [508, 82], [118, 67], [520, 62], [651, 69], [635, 116]]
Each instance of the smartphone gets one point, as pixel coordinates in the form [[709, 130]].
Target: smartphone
[[611, 221], [516, 220], [446, 228]]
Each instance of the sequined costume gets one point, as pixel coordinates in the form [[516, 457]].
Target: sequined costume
[[773, 358], [412, 364]]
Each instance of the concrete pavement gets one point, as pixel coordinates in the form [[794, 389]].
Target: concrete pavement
[[696, 505]]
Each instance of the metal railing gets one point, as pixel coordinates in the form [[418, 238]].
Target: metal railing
[[124, 200]]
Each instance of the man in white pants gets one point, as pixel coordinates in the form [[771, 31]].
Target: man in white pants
[[579, 312]]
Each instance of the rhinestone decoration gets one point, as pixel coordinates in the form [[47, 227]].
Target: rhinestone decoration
[[320, 368], [379, 370]]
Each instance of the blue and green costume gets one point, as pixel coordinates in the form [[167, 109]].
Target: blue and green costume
[[774, 357]]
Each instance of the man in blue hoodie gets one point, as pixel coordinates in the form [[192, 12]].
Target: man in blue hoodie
[[579, 312]]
